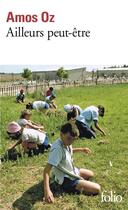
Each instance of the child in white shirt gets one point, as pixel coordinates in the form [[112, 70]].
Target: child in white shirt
[[38, 105], [33, 141]]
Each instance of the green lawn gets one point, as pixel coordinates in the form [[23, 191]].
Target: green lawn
[[21, 181]]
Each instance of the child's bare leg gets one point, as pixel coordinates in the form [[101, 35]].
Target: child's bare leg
[[89, 188], [86, 174]]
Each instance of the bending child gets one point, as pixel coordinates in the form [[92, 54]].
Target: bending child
[[25, 121], [50, 91], [70, 178], [50, 101], [38, 105], [86, 119], [33, 141], [68, 108], [20, 96]]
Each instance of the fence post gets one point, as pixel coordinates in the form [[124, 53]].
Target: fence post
[[97, 77]]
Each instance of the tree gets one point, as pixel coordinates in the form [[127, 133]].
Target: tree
[[65, 75], [62, 74], [27, 74]]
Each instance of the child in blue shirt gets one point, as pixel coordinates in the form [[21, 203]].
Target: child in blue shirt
[[70, 178]]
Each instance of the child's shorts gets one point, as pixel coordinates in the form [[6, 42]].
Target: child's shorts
[[69, 186]]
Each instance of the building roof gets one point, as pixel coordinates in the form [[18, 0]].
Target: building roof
[[48, 71]]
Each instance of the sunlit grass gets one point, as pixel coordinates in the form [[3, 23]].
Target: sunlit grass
[[21, 181]]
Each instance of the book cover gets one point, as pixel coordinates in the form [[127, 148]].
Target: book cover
[[57, 57]]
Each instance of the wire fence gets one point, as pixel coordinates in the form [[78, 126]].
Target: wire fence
[[12, 90]]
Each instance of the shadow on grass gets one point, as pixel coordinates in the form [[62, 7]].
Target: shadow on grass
[[33, 195]]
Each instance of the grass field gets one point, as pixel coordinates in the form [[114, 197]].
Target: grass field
[[21, 181]]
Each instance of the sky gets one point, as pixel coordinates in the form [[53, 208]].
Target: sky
[[19, 68]]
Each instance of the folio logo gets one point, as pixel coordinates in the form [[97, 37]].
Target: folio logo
[[110, 196]]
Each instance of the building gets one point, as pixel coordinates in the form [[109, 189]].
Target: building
[[111, 72], [74, 74]]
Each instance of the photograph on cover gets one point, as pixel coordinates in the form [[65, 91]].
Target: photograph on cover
[[50, 114]]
